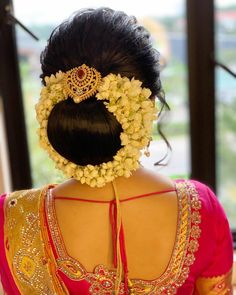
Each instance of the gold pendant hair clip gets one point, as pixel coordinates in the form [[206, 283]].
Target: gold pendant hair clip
[[81, 82]]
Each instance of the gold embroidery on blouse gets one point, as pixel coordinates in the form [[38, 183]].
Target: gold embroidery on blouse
[[24, 245], [186, 245], [220, 285]]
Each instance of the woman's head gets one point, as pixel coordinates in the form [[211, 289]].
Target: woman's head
[[111, 42]]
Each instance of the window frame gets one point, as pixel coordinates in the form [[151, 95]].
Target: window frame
[[202, 97], [201, 79], [11, 95]]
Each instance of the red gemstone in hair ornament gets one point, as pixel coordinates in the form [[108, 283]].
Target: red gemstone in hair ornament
[[81, 74]]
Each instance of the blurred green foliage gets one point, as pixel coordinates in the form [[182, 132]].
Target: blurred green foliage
[[175, 85]]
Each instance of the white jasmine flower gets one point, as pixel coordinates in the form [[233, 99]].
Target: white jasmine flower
[[130, 104]]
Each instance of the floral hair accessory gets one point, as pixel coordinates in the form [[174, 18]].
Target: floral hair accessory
[[125, 98]]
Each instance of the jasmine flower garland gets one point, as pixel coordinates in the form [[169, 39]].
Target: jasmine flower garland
[[132, 107]]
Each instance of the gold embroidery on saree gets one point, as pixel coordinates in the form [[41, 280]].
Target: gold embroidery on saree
[[220, 285], [24, 245]]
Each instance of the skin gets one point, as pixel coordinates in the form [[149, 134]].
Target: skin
[[149, 223]]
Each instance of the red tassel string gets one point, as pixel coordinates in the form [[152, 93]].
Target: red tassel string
[[113, 221]]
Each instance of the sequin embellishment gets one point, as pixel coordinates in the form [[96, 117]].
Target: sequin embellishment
[[219, 285], [24, 246]]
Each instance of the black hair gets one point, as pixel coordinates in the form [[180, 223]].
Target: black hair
[[111, 42]]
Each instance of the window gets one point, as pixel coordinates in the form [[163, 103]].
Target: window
[[225, 20], [167, 26]]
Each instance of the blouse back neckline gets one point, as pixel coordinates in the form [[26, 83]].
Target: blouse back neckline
[[185, 245]]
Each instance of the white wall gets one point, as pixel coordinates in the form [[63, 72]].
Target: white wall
[[5, 182]]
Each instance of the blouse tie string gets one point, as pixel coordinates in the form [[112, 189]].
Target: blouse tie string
[[118, 239]]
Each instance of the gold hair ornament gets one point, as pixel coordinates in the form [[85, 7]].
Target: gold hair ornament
[[125, 98], [81, 82]]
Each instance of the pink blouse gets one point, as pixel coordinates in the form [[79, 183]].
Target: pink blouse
[[201, 261]]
